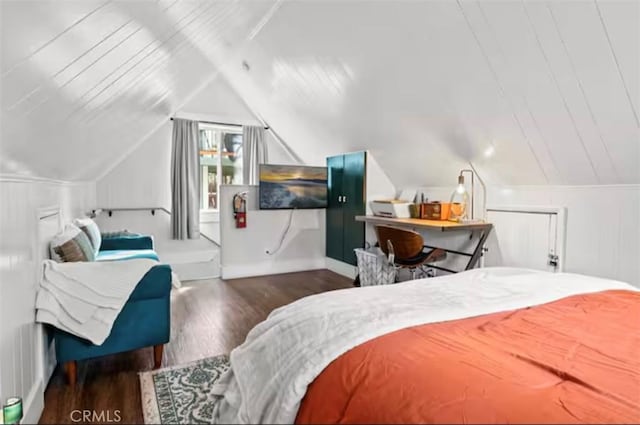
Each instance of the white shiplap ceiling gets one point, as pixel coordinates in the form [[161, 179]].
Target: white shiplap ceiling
[[528, 92], [84, 81]]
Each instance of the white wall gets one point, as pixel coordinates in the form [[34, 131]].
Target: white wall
[[210, 225], [244, 250], [19, 201], [378, 186], [143, 178], [219, 103], [603, 223]]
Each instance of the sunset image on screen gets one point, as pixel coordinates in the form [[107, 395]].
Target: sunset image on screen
[[287, 186]]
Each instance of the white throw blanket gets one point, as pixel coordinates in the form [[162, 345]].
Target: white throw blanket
[[85, 298], [281, 356]]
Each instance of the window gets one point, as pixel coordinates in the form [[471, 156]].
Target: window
[[220, 161]]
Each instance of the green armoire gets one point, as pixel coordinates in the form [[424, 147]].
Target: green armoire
[[347, 180]]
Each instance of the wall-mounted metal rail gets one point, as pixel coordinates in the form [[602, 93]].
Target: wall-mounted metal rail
[[153, 210], [221, 123]]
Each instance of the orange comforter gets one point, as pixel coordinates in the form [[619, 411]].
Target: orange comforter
[[575, 360]]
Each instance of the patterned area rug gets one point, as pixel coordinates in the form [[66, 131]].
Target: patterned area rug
[[181, 394]]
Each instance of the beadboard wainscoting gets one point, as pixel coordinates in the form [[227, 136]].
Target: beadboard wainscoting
[[602, 227], [21, 201]]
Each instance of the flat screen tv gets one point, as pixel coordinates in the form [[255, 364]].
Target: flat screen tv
[[292, 187]]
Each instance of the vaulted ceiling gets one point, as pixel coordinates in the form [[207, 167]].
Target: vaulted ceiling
[[83, 82], [526, 92]]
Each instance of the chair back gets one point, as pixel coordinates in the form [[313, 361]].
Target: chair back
[[405, 243]]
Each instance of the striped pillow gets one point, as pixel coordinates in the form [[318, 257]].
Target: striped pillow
[[90, 228], [85, 246], [72, 244]]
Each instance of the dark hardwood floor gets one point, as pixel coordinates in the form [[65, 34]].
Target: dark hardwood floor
[[209, 317]]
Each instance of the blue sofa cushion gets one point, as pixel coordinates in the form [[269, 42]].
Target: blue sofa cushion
[[128, 242], [126, 254]]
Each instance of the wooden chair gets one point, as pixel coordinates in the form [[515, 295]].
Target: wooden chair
[[405, 248]]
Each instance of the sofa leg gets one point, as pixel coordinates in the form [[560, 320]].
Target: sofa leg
[[71, 369], [157, 355]]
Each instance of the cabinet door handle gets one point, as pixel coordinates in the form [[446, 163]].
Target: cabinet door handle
[[344, 199], [339, 198]]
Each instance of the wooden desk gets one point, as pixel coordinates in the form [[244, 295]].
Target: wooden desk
[[443, 226]]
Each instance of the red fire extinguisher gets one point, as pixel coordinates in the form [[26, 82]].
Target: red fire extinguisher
[[240, 209]]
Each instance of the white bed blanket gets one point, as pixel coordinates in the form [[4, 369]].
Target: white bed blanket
[[281, 356], [85, 298]]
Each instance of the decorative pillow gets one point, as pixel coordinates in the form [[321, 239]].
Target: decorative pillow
[[90, 228], [85, 246], [72, 244]]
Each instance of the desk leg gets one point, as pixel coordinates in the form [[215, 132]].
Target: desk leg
[[478, 251]]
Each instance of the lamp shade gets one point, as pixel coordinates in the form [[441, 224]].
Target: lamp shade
[[461, 188], [460, 199]]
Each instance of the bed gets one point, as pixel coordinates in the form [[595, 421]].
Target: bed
[[485, 346]]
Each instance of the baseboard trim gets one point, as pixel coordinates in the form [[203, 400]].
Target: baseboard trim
[[33, 405], [272, 267], [341, 268], [196, 270]]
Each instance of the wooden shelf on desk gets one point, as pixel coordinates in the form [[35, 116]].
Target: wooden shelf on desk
[[443, 225]]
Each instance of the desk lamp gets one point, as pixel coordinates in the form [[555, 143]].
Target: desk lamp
[[461, 196], [459, 201]]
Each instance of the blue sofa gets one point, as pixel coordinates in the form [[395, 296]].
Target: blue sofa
[[145, 319]]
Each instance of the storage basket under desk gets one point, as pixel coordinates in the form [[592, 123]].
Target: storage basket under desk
[[374, 268]]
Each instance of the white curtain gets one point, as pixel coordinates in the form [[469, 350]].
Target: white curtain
[[254, 153], [185, 182]]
